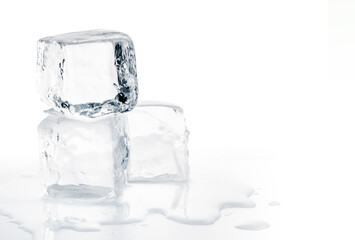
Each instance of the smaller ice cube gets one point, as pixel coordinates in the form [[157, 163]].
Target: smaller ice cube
[[159, 138], [90, 73], [83, 159]]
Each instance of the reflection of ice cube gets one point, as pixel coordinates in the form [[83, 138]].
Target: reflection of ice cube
[[90, 73], [80, 219], [83, 215], [83, 158], [68, 234], [91, 219], [158, 143]]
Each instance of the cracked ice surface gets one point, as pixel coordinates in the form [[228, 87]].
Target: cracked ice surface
[[90, 73]]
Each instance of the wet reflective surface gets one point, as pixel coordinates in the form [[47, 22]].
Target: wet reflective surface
[[224, 197]]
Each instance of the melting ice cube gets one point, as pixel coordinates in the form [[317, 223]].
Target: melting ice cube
[[158, 143], [87, 158], [90, 73], [83, 159]]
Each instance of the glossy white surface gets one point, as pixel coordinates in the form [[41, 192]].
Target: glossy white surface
[[263, 68]]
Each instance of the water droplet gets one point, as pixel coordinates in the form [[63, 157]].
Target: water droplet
[[253, 225]]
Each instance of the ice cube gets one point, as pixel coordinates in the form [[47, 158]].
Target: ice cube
[[83, 159], [158, 137], [89, 73]]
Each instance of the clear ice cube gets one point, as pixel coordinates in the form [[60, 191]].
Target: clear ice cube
[[158, 138], [89, 73], [84, 159]]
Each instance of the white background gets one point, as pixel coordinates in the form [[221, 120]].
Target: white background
[[249, 75]]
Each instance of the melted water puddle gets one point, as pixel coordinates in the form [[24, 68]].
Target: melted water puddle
[[200, 202], [253, 225]]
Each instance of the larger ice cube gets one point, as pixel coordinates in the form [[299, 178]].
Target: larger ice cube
[[89, 73], [158, 137], [84, 159]]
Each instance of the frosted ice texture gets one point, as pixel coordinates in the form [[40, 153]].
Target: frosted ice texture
[[90, 73], [158, 143], [83, 159]]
